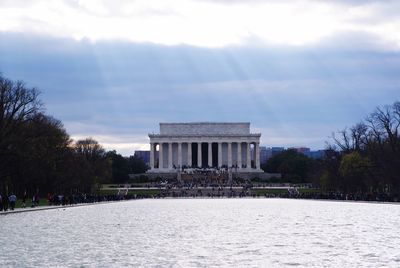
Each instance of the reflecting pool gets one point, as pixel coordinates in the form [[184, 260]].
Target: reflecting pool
[[204, 233]]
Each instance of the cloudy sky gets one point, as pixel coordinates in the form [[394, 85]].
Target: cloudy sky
[[113, 69]]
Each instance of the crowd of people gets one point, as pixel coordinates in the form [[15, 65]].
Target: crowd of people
[[7, 202], [223, 168], [292, 193], [358, 196]]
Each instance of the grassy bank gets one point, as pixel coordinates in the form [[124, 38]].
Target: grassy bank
[[309, 190], [42, 202]]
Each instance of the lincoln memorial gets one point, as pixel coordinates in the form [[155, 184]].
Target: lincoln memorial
[[205, 145]]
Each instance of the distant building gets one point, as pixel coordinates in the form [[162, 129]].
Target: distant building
[[276, 150], [302, 150], [317, 154], [204, 145], [263, 155], [267, 152], [144, 155], [312, 154]]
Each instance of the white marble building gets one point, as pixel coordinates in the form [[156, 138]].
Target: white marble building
[[215, 145]]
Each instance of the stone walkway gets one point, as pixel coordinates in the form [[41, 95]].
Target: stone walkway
[[30, 209]]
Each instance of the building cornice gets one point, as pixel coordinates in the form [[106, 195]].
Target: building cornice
[[251, 135]]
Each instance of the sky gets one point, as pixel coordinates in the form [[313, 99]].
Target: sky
[[298, 70]]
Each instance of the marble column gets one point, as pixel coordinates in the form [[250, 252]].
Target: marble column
[[170, 155], [219, 154], [248, 164], [210, 154], [229, 154], [152, 155], [199, 154], [189, 156], [257, 158], [160, 156], [179, 154], [239, 155]]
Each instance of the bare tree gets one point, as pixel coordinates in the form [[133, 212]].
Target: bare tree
[[90, 149], [377, 138], [98, 165], [353, 139], [18, 105], [386, 121]]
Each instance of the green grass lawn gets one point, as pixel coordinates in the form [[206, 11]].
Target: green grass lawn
[[107, 191], [145, 191], [42, 202], [309, 190], [268, 191]]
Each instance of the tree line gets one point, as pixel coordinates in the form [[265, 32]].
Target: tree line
[[364, 158], [38, 155]]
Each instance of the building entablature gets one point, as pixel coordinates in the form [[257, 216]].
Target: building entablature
[[157, 138]]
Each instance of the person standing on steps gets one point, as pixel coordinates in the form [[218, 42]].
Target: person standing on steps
[[5, 202]]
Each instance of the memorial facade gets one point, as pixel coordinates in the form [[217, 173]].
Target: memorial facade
[[204, 145]]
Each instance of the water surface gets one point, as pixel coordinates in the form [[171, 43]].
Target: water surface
[[204, 233]]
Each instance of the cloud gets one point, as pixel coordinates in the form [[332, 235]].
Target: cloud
[[118, 92], [297, 70], [204, 23]]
